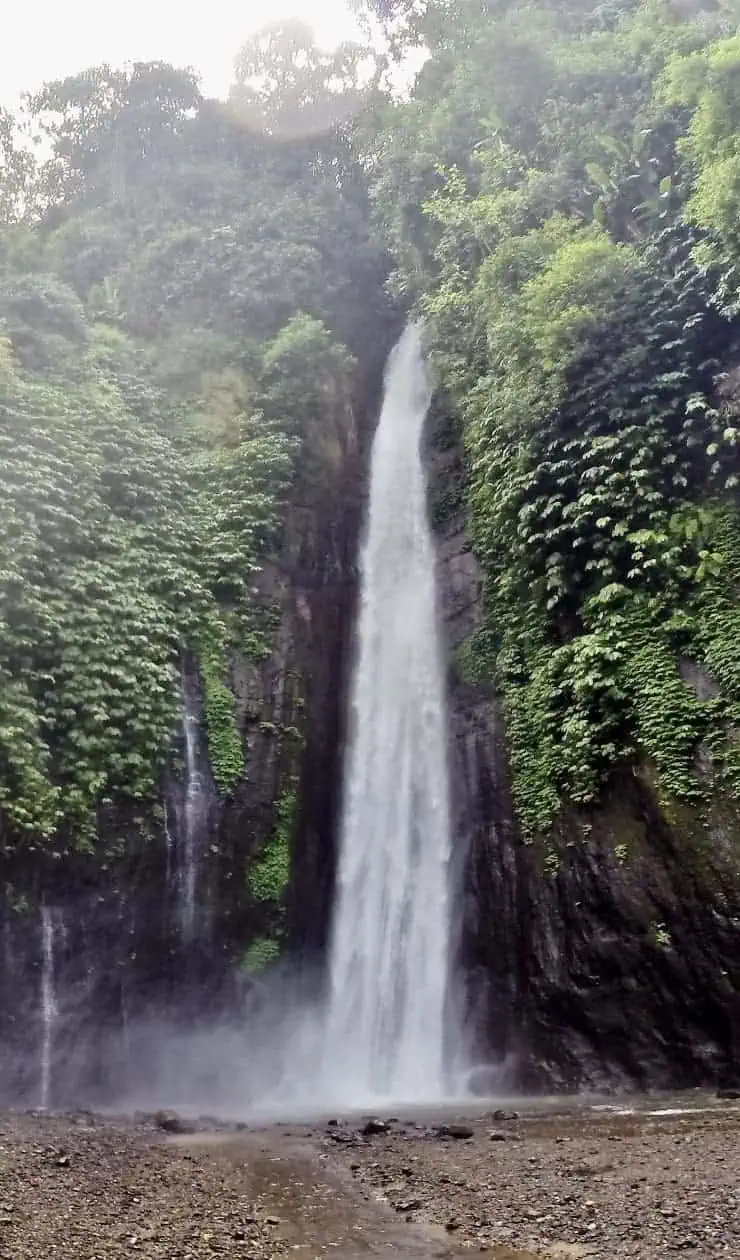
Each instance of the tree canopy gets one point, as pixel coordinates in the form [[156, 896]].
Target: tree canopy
[[159, 264]]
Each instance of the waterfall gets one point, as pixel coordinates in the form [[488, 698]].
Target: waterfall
[[391, 933], [168, 841], [192, 820], [49, 1008]]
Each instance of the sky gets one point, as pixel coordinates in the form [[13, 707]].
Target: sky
[[46, 39]]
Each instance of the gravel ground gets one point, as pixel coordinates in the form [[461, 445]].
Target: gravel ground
[[590, 1184], [84, 1189], [558, 1186]]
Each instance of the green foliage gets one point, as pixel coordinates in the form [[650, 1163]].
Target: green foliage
[[93, 590], [184, 305], [172, 290], [705, 83], [262, 951], [268, 876], [545, 224], [302, 369], [288, 87], [225, 750]]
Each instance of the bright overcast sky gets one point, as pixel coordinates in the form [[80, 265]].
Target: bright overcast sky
[[48, 39]]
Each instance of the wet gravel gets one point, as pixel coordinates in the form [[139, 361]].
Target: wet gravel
[[555, 1186], [86, 1189], [591, 1184]]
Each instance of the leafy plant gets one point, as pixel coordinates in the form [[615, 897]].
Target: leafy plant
[[268, 876]]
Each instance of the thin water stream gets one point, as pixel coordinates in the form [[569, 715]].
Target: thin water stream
[[49, 1007], [190, 856]]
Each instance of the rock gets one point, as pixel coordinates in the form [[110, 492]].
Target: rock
[[497, 1135], [170, 1122], [410, 1205], [373, 1126], [459, 1131], [730, 1093], [338, 1135]]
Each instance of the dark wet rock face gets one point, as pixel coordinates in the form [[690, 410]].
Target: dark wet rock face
[[615, 963]]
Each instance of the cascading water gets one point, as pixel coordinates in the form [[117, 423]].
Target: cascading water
[[391, 936], [168, 840], [193, 811], [49, 1008]]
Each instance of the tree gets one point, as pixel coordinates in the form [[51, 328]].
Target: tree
[[287, 87], [167, 272], [16, 170]]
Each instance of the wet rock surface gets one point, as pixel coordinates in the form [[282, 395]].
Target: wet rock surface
[[79, 1187]]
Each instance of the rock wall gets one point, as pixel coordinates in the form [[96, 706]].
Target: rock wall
[[609, 956], [291, 708]]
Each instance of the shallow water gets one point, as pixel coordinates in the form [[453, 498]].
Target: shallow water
[[318, 1214]]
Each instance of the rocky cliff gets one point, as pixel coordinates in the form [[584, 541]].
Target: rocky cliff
[[607, 955]]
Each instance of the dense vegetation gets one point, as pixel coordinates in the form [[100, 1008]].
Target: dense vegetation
[[562, 197], [176, 286], [179, 280]]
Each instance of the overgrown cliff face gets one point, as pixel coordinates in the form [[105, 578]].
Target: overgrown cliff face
[[562, 197], [192, 314], [291, 707], [607, 954], [93, 942]]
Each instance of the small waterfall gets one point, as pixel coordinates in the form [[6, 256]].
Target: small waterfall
[[193, 817], [168, 840], [391, 935], [49, 1007]]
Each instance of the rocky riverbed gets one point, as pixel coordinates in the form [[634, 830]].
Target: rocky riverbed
[[608, 1183], [556, 1184]]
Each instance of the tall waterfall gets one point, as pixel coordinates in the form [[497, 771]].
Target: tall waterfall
[[391, 934]]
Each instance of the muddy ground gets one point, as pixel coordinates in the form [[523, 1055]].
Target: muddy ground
[[564, 1185]]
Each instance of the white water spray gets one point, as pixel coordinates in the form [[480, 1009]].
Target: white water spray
[[391, 937], [49, 1009]]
